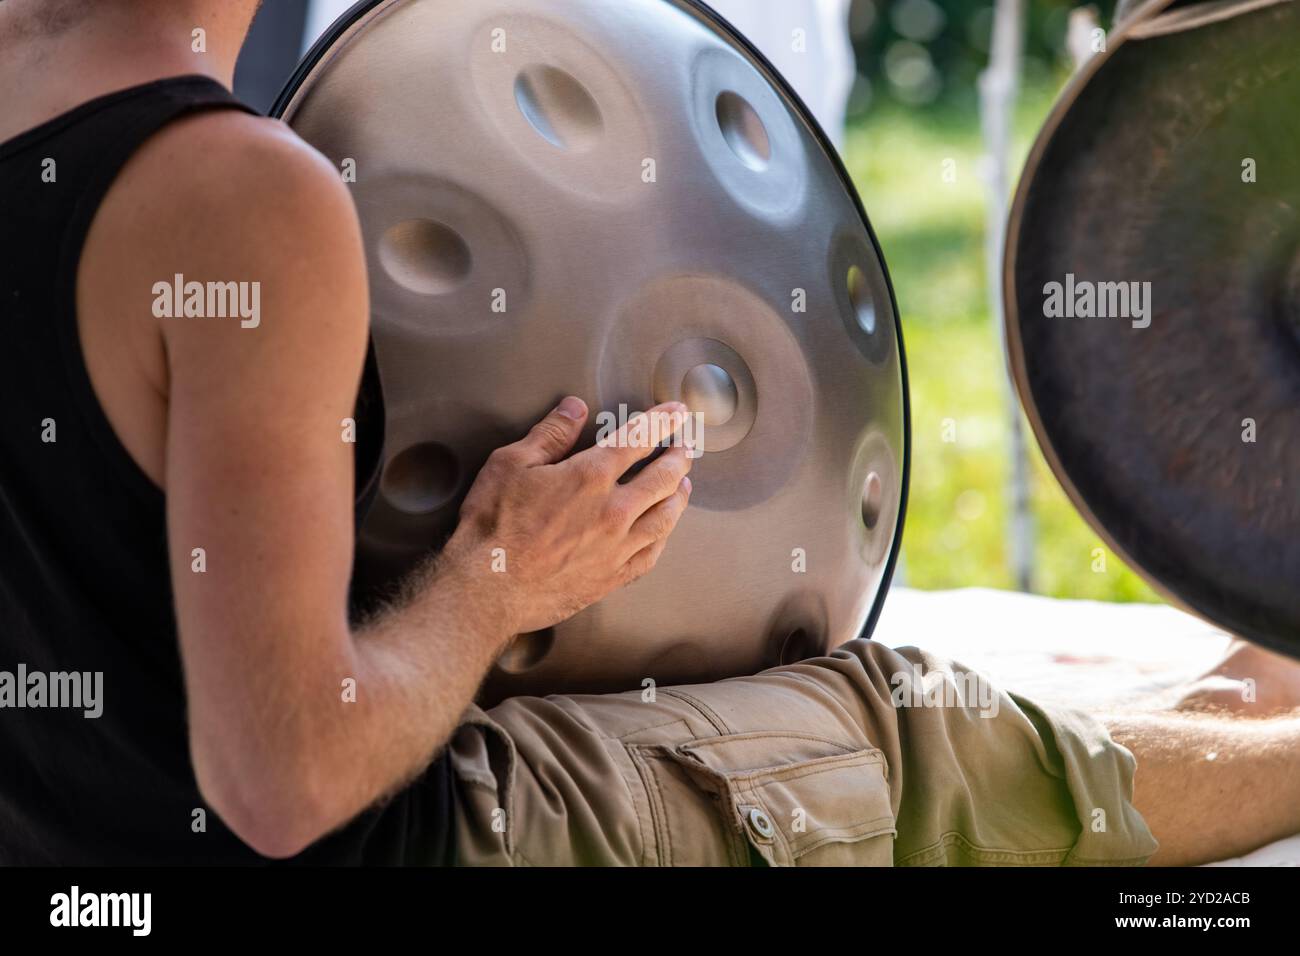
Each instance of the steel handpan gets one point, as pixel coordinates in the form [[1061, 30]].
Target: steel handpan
[[621, 201], [1164, 192]]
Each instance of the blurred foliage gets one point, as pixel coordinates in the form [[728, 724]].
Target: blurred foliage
[[918, 52], [932, 233]]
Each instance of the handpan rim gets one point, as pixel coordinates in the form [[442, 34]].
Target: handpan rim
[[359, 10]]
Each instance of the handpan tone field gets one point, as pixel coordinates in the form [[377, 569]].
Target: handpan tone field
[[622, 201]]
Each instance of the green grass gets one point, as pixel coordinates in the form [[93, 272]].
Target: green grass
[[932, 233]]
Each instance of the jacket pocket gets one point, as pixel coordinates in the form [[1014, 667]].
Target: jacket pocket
[[797, 799]]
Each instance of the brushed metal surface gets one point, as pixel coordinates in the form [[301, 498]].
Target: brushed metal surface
[[618, 200], [1139, 176]]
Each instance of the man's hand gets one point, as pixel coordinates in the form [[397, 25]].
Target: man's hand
[[567, 530]]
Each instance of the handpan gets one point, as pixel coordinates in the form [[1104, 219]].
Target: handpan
[[1152, 288], [621, 201]]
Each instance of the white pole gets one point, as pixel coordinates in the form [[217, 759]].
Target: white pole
[[999, 85]]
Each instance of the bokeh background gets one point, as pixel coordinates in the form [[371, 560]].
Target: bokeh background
[[915, 104]]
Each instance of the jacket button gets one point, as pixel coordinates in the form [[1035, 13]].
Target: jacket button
[[760, 823]]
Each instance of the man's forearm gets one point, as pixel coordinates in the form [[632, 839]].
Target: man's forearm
[[1197, 782], [419, 665], [367, 718]]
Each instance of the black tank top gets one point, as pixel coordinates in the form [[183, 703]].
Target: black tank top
[[84, 581]]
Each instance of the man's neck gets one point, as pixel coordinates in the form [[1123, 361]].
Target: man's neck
[[92, 47]]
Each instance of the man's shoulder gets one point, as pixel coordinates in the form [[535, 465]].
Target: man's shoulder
[[230, 168], [225, 197], [248, 145]]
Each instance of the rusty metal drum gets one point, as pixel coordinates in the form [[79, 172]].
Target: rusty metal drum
[[622, 201]]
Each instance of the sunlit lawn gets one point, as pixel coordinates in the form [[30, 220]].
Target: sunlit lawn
[[933, 237]]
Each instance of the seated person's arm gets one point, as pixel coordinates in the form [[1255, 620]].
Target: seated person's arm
[[258, 476]]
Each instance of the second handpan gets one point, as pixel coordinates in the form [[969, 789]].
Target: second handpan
[[1153, 305]]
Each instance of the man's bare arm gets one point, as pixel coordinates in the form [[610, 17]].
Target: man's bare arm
[[258, 476]]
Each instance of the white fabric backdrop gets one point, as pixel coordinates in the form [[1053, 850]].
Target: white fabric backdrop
[[822, 75]]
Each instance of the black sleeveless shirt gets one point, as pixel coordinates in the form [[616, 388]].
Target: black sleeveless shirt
[[84, 581]]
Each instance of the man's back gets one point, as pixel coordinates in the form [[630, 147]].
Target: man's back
[[85, 611], [110, 179]]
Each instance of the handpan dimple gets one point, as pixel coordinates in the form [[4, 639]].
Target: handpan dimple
[[624, 202], [558, 107], [425, 256], [747, 135], [743, 130], [862, 292], [526, 651], [420, 479], [864, 306], [441, 254], [552, 101], [873, 496]]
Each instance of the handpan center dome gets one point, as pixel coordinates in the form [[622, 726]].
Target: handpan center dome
[[709, 391]]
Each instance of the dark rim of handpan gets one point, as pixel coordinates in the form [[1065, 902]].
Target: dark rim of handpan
[[359, 10], [1208, 609]]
